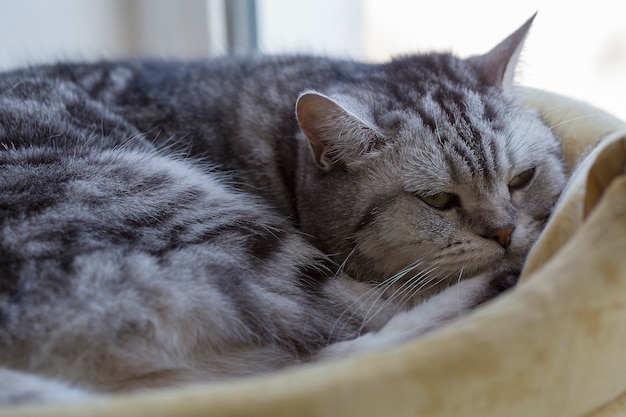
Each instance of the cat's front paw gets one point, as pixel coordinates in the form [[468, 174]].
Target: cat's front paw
[[454, 301], [433, 313]]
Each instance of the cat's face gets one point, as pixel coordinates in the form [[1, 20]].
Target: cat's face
[[451, 201], [456, 206], [445, 180]]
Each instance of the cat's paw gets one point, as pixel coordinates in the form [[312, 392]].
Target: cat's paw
[[433, 313], [449, 304]]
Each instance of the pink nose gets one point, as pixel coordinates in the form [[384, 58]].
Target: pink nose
[[503, 235]]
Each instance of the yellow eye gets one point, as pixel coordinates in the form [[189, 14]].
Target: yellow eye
[[441, 201], [522, 180]]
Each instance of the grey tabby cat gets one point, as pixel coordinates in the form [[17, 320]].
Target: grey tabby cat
[[163, 223]]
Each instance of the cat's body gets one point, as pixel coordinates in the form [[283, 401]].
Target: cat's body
[[163, 222]]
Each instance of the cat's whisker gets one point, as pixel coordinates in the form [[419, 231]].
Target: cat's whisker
[[345, 262], [379, 288], [406, 296], [572, 119], [13, 87], [417, 277], [458, 295], [433, 281], [560, 108], [437, 133], [421, 285], [393, 279]]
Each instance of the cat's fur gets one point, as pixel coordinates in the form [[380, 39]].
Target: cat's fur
[[167, 222]]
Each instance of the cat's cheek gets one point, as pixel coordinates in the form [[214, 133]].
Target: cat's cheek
[[399, 237], [539, 200], [525, 234]]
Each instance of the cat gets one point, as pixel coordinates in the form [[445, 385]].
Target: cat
[[163, 223]]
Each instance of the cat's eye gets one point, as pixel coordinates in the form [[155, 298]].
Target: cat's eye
[[521, 180], [440, 201]]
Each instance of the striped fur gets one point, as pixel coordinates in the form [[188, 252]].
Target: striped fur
[[166, 222]]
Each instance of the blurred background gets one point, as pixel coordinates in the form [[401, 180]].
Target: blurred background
[[575, 48]]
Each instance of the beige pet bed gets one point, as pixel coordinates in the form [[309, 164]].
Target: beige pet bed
[[554, 346]]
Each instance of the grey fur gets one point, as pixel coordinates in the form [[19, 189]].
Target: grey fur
[[168, 222]]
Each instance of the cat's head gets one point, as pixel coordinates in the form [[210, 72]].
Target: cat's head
[[428, 164]]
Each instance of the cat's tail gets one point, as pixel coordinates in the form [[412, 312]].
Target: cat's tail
[[21, 388]]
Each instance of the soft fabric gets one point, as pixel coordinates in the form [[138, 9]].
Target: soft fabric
[[554, 346]]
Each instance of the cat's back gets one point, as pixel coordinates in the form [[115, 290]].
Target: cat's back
[[115, 248]]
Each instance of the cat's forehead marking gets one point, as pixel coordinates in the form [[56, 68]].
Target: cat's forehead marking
[[461, 135]]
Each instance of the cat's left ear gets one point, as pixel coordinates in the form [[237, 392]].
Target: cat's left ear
[[497, 66], [337, 135]]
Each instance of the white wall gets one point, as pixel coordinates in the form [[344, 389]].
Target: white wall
[[39, 30], [34, 31], [575, 48], [330, 27]]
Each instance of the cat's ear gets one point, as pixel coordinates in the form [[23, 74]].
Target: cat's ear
[[497, 66], [336, 134]]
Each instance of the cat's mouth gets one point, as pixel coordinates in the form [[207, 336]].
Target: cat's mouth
[[487, 257], [429, 266]]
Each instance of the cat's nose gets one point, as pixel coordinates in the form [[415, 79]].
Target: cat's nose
[[502, 235]]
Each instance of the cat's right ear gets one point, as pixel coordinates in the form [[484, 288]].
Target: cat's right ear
[[336, 134], [498, 65]]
